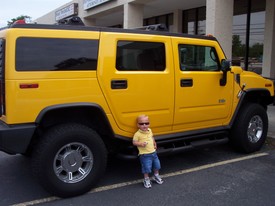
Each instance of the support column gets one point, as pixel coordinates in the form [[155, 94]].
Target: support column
[[269, 41], [133, 16], [219, 22], [177, 21]]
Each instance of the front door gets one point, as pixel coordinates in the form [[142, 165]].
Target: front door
[[201, 101]]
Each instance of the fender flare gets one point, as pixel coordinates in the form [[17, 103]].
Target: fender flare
[[243, 99], [83, 105]]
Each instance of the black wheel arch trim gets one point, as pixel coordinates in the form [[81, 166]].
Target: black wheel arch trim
[[243, 99], [77, 105]]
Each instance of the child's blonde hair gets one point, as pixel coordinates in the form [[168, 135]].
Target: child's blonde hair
[[142, 116]]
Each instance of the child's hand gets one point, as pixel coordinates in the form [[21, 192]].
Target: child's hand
[[155, 145], [143, 144]]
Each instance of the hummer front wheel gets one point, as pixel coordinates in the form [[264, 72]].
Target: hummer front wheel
[[249, 131]]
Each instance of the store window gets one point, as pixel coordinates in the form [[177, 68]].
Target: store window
[[248, 34], [194, 21]]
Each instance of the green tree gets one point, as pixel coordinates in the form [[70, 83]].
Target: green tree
[[22, 17], [237, 46], [256, 50]]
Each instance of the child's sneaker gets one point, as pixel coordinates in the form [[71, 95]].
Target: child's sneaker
[[147, 183], [157, 179]]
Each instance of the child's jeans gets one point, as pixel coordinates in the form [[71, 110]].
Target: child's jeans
[[149, 162]]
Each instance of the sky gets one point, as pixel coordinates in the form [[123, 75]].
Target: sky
[[10, 9]]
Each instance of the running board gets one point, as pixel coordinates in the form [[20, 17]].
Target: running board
[[191, 146]]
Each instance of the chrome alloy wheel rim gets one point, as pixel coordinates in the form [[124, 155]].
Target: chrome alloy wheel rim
[[255, 129], [73, 162]]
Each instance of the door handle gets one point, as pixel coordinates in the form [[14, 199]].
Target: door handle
[[186, 82], [119, 84]]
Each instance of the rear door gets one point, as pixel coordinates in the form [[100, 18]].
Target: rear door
[[136, 76]]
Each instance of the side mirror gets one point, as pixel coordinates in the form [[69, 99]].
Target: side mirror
[[225, 67]]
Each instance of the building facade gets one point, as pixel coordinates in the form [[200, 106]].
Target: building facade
[[244, 28]]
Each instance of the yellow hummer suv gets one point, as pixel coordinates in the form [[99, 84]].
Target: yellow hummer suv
[[70, 96]]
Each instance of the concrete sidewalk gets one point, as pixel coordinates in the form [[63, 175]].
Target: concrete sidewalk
[[271, 117]]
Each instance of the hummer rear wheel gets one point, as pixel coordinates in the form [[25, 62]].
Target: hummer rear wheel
[[69, 160]]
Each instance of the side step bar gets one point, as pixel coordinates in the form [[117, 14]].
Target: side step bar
[[191, 146], [182, 144]]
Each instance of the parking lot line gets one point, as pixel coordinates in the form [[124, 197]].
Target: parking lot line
[[214, 165], [124, 184]]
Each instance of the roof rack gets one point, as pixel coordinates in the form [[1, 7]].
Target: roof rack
[[154, 27], [75, 20]]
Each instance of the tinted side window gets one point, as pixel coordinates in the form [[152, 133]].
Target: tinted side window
[[54, 54], [198, 58], [2, 55], [140, 56]]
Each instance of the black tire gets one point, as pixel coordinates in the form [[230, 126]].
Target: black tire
[[250, 128], [69, 160]]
